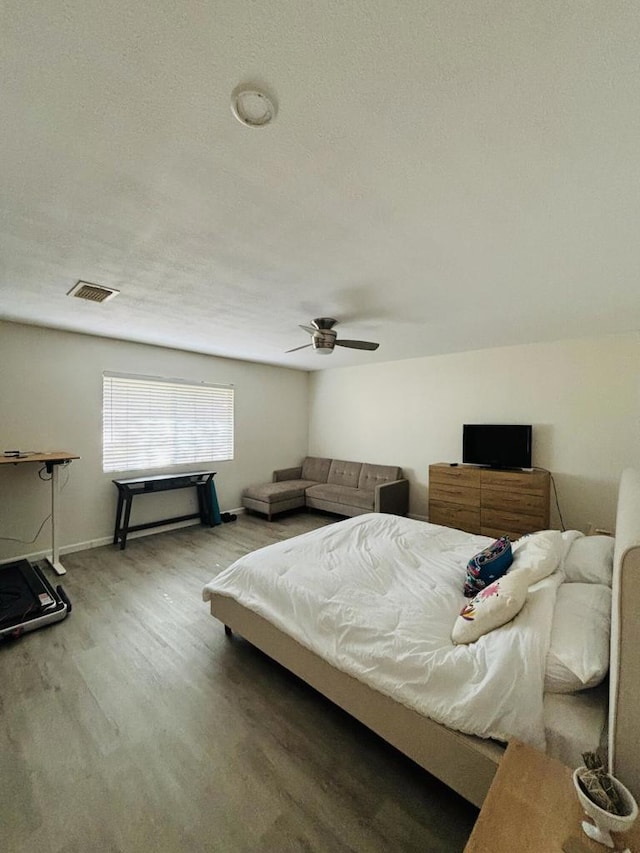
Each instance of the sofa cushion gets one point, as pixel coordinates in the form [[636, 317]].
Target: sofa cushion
[[274, 492], [316, 468], [373, 475], [346, 495], [343, 473]]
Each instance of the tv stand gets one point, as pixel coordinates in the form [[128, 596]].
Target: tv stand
[[490, 501]]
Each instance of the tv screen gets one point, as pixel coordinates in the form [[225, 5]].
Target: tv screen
[[497, 445]]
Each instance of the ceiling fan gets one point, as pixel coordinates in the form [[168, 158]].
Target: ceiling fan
[[324, 339]]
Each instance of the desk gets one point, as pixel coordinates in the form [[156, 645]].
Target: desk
[[52, 463], [532, 807], [202, 481]]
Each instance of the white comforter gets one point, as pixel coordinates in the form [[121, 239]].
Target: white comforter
[[377, 595]]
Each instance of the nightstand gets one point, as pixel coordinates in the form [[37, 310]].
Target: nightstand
[[532, 807]]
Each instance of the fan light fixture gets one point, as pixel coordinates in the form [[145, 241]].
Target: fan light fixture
[[324, 339], [252, 107]]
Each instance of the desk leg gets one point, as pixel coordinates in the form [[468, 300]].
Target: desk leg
[[116, 532], [125, 525], [54, 559]]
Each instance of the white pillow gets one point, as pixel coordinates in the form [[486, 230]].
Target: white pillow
[[539, 554], [492, 607], [590, 560], [579, 653]]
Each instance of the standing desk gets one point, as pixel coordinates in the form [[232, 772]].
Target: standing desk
[[52, 462], [202, 481]]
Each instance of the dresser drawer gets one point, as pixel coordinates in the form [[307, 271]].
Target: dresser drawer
[[456, 493], [526, 503], [500, 520], [452, 515], [452, 475], [516, 481]]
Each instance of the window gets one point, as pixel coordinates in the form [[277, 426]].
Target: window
[[152, 423]]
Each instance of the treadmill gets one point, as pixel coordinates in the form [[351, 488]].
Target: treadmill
[[28, 601]]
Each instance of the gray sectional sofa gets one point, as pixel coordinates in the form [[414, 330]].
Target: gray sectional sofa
[[346, 488]]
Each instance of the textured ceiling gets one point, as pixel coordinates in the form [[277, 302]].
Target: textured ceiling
[[441, 175]]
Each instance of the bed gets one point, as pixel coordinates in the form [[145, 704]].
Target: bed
[[449, 737]]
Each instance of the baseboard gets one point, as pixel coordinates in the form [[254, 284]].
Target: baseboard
[[417, 517], [108, 540]]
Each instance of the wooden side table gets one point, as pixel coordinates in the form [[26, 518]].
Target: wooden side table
[[532, 807]]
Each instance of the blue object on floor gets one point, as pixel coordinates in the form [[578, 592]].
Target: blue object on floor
[[215, 508]]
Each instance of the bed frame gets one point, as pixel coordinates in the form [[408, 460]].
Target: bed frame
[[465, 763], [624, 679]]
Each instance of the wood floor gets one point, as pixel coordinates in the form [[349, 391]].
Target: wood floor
[[136, 725]]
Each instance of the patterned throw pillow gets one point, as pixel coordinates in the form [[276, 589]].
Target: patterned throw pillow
[[496, 605], [488, 566]]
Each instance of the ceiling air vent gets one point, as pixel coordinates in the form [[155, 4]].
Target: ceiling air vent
[[92, 292]]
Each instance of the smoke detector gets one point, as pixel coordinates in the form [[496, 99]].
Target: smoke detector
[[92, 292], [252, 106]]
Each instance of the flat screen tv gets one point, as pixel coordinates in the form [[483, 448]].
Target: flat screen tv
[[497, 445]]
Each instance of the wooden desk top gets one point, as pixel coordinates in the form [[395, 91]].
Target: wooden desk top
[[532, 807], [51, 456]]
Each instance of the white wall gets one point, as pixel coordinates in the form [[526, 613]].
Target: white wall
[[582, 397], [51, 399]]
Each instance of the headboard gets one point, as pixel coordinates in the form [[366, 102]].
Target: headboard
[[624, 691]]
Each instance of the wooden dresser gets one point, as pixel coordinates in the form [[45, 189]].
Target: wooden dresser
[[488, 501]]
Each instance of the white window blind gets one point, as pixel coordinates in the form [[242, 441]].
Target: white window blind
[[152, 423]]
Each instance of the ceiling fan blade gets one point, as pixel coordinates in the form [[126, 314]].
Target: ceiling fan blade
[[357, 344], [295, 349], [309, 329]]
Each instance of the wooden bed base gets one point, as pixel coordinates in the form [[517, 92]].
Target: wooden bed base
[[624, 674], [468, 764]]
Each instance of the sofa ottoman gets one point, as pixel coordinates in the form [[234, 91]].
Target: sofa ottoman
[[270, 498], [287, 491]]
